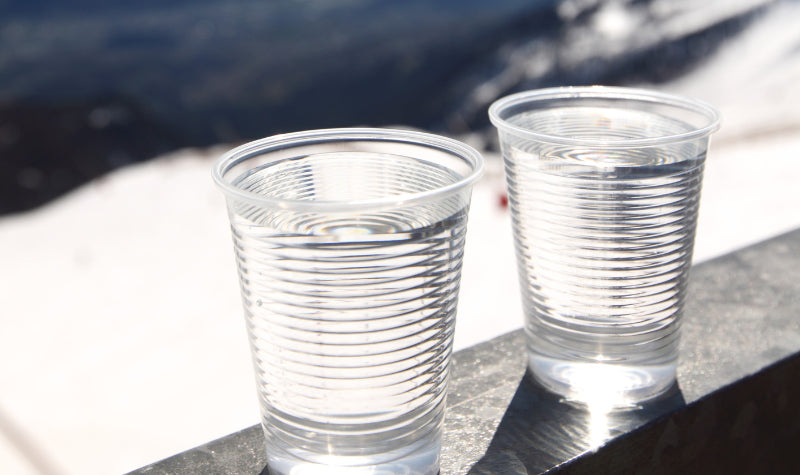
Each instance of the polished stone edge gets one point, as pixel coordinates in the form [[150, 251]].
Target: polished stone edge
[[737, 384], [238, 453], [751, 426], [734, 409]]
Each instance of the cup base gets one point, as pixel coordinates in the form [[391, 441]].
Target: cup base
[[423, 459], [611, 386]]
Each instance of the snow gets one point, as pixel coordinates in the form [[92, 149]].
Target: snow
[[122, 314]]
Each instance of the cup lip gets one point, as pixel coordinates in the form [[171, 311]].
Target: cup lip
[[604, 92], [281, 141]]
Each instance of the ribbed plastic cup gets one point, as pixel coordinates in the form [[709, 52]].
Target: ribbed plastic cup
[[604, 186], [349, 246]]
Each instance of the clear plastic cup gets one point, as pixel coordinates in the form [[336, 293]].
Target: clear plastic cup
[[349, 246], [604, 186]]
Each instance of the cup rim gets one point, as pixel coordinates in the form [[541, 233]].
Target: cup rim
[[241, 153], [604, 92]]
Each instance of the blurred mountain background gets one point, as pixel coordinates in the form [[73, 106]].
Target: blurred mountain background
[[87, 86]]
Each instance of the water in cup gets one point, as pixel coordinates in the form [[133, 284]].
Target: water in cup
[[609, 249]]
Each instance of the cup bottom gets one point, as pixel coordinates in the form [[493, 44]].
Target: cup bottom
[[604, 385], [422, 458]]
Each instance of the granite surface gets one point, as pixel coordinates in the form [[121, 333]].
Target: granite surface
[[735, 407]]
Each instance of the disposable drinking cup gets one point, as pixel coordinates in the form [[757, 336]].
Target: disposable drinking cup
[[349, 246], [604, 185]]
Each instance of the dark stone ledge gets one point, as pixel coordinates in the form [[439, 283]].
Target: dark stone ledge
[[735, 408]]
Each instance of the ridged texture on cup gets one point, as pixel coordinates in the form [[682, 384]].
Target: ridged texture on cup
[[604, 263], [350, 314], [604, 236]]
